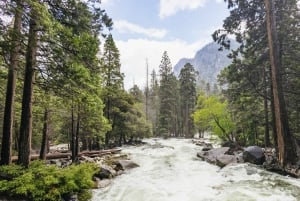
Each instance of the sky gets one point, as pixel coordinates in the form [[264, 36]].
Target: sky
[[144, 29]]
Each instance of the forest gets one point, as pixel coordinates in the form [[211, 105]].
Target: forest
[[60, 85]]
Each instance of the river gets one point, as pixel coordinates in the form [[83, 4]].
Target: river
[[174, 173]]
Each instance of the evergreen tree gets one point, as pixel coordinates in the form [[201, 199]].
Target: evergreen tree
[[64, 35], [167, 94], [188, 97], [8, 119], [154, 103], [112, 80], [254, 48]]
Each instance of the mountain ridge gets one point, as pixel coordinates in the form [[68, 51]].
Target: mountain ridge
[[208, 61]]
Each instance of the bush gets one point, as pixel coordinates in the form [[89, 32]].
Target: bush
[[47, 182]]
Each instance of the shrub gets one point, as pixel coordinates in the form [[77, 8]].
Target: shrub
[[47, 182]]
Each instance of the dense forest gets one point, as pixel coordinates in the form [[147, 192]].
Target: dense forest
[[59, 86]]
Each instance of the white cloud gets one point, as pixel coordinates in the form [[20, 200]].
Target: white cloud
[[134, 53], [105, 1], [171, 7], [125, 26]]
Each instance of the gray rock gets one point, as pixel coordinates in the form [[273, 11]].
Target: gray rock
[[217, 156], [126, 164], [87, 159], [106, 172], [207, 147], [254, 155], [224, 160], [102, 183]]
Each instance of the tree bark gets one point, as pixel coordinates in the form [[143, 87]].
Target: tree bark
[[73, 136], [8, 119], [77, 133], [26, 116], [266, 111], [43, 150], [286, 147]]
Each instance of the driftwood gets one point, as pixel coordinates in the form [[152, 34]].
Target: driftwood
[[68, 154]]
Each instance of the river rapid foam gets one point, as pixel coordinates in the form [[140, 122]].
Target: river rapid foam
[[170, 171]]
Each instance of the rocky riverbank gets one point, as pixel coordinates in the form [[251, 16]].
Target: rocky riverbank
[[229, 153], [110, 163]]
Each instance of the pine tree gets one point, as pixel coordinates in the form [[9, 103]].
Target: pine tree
[[167, 94], [6, 149], [255, 77], [188, 98], [26, 115], [154, 103], [287, 152], [112, 79]]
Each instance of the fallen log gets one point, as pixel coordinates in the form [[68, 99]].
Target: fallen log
[[68, 154]]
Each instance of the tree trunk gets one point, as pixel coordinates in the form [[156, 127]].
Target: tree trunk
[[77, 133], [272, 109], [26, 116], [16, 135], [107, 112], [266, 110], [286, 146], [44, 146], [73, 136], [8, 119]]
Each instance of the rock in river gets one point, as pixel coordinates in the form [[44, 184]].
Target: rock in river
[[254, 154]]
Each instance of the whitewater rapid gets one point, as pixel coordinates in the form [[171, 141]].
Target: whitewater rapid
[[172, 172]]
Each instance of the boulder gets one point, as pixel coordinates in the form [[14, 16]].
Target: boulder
[[102, 183], [224, 160], [70, 197], [254, 155], [207, 147], [218, 156], [106, 172], [125, 165], [86, 159]]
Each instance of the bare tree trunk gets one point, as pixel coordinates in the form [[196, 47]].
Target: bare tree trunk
[[107, 115], [44, 146], [286, 146], [266, 110], [8, 119], [73, 136], [26, 116], [77, 133]]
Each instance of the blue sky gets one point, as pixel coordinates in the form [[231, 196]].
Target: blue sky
[[144, 29]]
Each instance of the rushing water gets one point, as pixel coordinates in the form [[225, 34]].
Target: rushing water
[[174, 173]]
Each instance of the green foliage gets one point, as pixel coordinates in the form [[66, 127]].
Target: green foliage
[[214, 116], [42, 182], [247, 82]]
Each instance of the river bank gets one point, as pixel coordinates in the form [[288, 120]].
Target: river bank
[[229, 153], [57, 178]]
